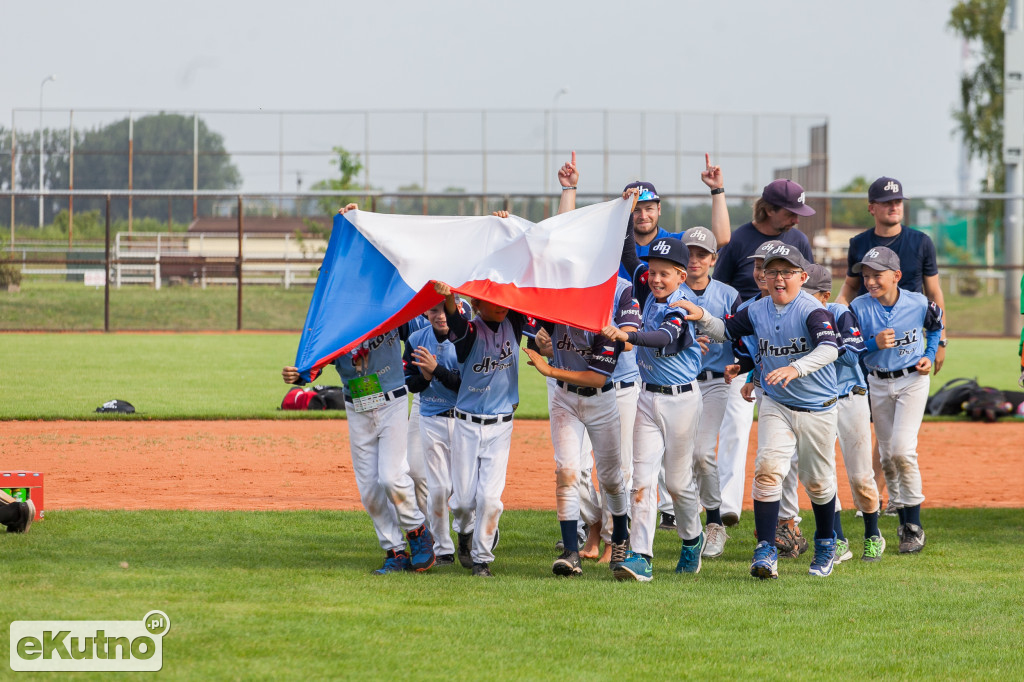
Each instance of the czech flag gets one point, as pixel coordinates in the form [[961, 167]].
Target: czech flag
[[379, 270]]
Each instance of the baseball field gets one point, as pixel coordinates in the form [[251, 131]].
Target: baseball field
[[242, 523]]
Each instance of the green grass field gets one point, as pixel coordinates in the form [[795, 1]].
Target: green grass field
[[272, 595], [237, 376], [48, 304]]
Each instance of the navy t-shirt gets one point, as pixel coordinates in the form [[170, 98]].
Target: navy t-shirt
[[734, 266], [915, 249]]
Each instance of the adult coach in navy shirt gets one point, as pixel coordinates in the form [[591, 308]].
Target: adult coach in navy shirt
[[918, 262], [647, 213], [776, 213]]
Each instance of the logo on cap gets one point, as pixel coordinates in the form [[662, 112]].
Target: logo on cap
[[891, 187], [697, 234], [661, 247], [781, 251], [872, 254], [801, 198]]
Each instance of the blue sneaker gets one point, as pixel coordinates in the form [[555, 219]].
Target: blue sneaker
[[421, 548], [394, 562], [824, 557], [689, 557], [766, 561], [635, 567]]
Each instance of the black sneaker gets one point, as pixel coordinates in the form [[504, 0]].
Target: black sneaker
[[482, 570], [567, 565], [668, 521], [445, 560], [465, 550], [26, 513], [912, 540]]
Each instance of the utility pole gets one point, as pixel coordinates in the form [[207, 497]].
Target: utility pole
[[1013, 157]]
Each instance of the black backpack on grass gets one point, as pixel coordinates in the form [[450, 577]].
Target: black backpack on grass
[[951, 397], [988, 404], [327, 398]]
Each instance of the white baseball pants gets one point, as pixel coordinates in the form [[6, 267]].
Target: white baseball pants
[[417, 467], [732, 447], [479, 464], [626, 399], [897, 406], [665, 428], [812, 434], [378, 440], [854, 430], [436, 434]]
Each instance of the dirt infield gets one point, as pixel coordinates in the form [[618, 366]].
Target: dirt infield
[[245, 465]]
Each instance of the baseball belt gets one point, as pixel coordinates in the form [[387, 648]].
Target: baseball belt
[[390, 395], [584, 391], [824, 405], [448, 414], [623, 384], [708, 375], [669, 390], [485, 421], [894, 375]]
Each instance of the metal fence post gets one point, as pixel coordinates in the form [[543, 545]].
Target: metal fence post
[[106, 267], [238, 326]]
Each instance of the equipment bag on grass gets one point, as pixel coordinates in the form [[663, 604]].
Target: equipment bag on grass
[[951, 397], [987, 404]]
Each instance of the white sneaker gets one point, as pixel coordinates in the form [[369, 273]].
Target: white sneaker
[[715, 537]]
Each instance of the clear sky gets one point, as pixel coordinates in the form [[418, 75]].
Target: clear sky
[[885, 73]]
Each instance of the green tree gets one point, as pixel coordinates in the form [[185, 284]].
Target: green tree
[[162, 159], [980, 116], [852, 212], [349, 165]]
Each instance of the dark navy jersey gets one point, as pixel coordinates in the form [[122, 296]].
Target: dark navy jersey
[[848, 371], [734, 265], [915, 249]]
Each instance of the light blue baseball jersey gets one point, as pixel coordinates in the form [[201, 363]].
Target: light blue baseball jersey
[[721, 300], [625, 312], [677, 363], [437, 397], [490, 369], [788, 335], [848, 371], [381, 355], [911, 318]]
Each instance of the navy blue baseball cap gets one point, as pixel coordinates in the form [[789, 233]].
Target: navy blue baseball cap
[[647, 191], [788, 195], [670, 249], [885, 189]]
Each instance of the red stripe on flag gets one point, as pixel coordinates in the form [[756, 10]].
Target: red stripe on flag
[[584, 308]]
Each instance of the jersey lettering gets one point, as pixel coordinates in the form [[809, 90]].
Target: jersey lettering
[[488, 364], [795, 347]]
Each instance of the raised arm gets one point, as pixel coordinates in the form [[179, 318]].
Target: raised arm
[[720, 226], [568, 177]]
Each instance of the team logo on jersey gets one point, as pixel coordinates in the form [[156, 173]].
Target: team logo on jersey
[[643, 279], [891, 187], [908, 339], [489, 364], [661, 247], [795, 347]]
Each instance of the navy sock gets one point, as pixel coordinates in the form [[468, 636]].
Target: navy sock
[[871, 525], [620, 528], [766, 518], [902, 513], [824, 519], [912, 514], [715, 516], [569, 537], [837, 526], [691, 543]]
